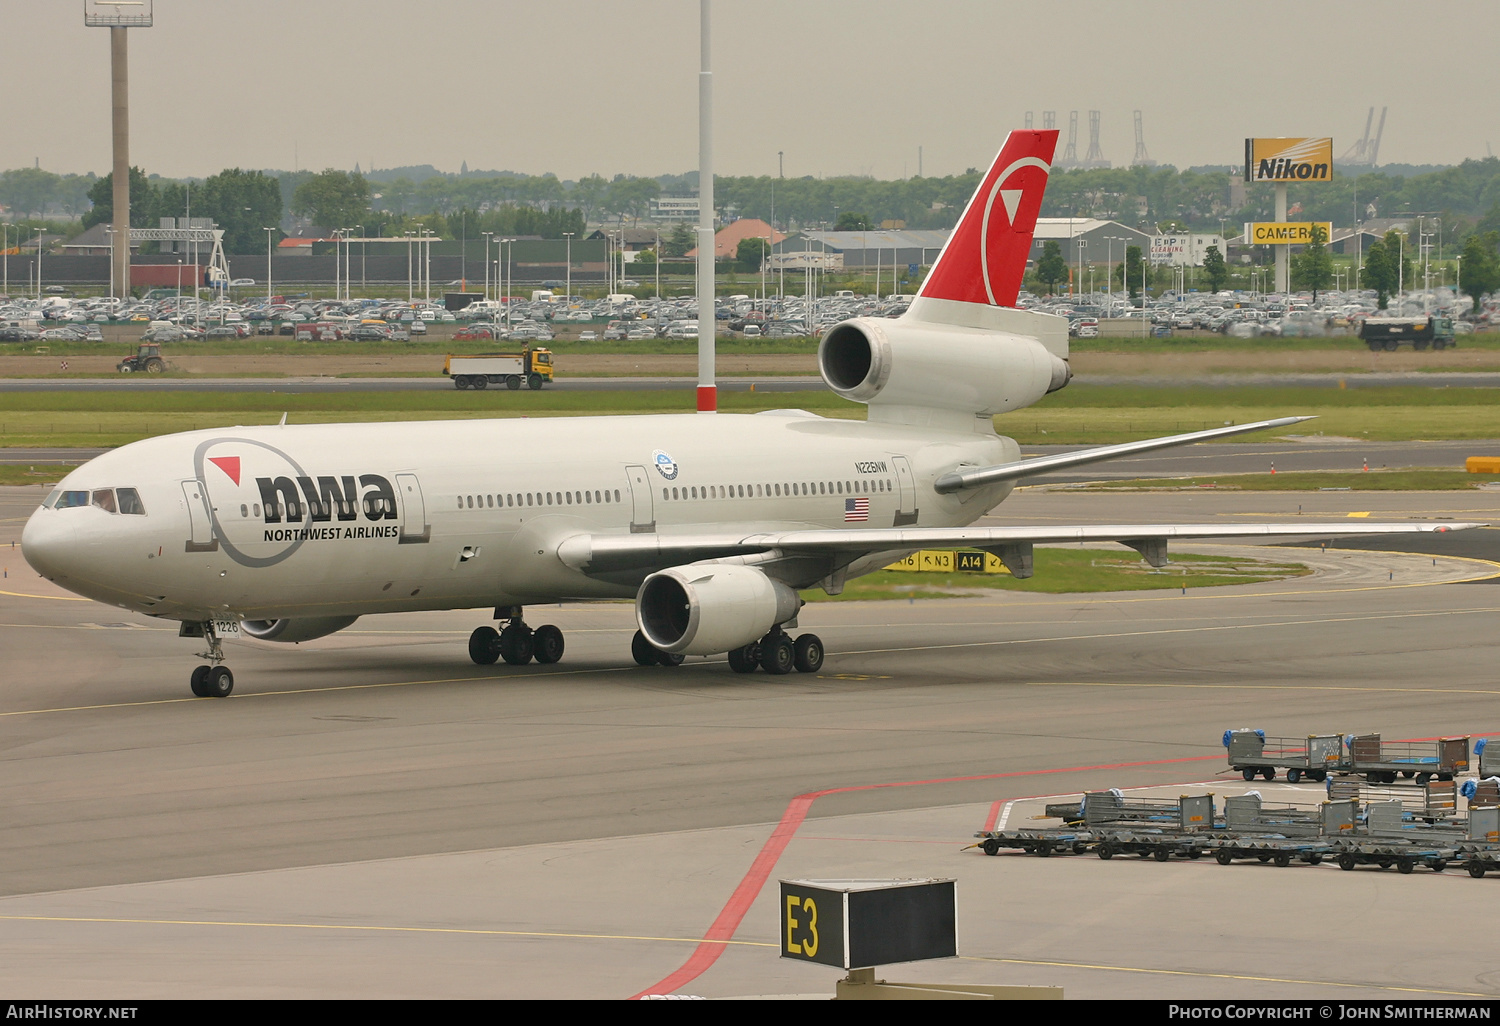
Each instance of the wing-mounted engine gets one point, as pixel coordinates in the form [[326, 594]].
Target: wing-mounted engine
[[708, 608], [294, 629], [910, 364]]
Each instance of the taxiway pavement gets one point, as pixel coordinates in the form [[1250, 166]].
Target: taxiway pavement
[[372, 815]]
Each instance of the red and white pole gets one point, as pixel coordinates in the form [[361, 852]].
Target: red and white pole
[[708, 392]]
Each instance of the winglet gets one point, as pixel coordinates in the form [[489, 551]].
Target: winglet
[[984, 261]]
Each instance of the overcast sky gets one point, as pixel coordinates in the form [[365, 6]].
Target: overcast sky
[[841, 86]]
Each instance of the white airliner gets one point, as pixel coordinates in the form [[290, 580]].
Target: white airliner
[[710, 523]]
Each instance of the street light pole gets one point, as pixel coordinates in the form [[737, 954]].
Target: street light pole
[[270, 234], [568, 286]]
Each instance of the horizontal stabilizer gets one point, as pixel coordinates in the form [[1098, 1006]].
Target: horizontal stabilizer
[[977, 476]]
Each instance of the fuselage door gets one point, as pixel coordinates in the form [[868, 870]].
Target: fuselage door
[[906, 512], [414, 525], [642, 508], [201, 528]]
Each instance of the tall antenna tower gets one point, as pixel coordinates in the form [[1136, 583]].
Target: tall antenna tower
[[1049, 120], [1094, 157], [1141, 158], [118, 16], [1070, 155]]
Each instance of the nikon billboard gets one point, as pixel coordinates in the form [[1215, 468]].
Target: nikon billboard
[[1288, 160]]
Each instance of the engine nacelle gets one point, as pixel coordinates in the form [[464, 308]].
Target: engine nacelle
[[937, 366], [302, 628], [712, 608]]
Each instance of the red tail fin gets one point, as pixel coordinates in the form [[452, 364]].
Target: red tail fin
[[985, 258]]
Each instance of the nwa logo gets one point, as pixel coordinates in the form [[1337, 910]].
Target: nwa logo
[[327, 498]]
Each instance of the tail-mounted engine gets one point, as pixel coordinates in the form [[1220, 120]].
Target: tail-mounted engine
[[927, 365]]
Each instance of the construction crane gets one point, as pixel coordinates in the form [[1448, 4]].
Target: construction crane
[[1095, 156], [1141, 158], [1070, 154], [1364, 152]]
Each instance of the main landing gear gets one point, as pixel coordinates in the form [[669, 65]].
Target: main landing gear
[[516, 643], [777, 653], [212, 680]]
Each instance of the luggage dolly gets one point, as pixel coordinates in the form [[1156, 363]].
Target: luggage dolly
[[1479, 860], [1405, 857], [1148, 844], [1035, 842], [1282, 851]]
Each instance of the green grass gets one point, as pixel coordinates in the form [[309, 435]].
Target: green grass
[[1305, 481], [1082, 414], [114, 418], [38, 474], [1070, 571]]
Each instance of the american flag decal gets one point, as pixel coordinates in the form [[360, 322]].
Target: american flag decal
[[856, 510]]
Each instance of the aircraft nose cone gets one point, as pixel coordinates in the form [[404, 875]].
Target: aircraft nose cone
[[48, 543]]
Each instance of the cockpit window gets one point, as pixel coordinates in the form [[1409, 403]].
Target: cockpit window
[[130, 502], [68, 499], [104, 498], [51, 500]]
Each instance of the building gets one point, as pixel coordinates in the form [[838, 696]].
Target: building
[[94, 242], [727, 239], [878, 247], [674, 208], [1185, 250], [1087, 239]]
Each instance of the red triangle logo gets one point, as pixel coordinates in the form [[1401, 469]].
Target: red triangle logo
[[229, 464]]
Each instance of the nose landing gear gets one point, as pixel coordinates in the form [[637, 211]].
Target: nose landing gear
[[212, 680]]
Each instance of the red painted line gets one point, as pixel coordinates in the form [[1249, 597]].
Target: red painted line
[[994, 816], [723, 928]]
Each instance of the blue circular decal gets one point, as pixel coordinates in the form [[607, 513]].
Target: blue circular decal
[[664, 465]]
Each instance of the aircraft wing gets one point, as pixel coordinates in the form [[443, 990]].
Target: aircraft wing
[[973, 477], [602, 554]]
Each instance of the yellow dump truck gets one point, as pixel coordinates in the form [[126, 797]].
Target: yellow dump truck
[[529, 367]]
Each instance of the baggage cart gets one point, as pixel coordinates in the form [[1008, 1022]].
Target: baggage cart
[[1041, 842], [1383, 761], [1436, 800], [1149, 827], [1481, 848], [1252, 753], [1489, 761]]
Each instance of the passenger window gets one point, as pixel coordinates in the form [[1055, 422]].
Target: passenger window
[[617, 495], [460, 503], [244, 511], [528, 498], [104, 498], [255, 508]]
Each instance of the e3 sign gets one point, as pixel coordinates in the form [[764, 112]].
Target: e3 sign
[[1288, 160], [856, 924]]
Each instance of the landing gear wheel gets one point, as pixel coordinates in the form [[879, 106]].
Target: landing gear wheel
[[745, 660], [516, 646], [669, 658], [547, 643], [199, 679], [219, 682], [484, 646], [534, 382], [513, 382], [642, 651], [777, 656], [807, 653]]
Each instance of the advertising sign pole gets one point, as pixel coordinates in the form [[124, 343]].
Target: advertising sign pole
[[1283, 253]]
